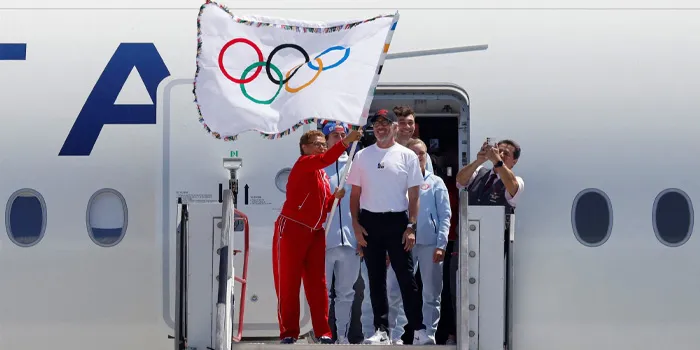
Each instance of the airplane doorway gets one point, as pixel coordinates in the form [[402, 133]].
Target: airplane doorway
[[441, 137], [442, 118], [439, 134]]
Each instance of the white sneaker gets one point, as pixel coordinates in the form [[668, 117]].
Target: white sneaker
[[397, 341], [342, 340], [421, 337], [379, 338]]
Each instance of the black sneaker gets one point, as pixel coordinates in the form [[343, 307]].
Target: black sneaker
[[325, 340], [288, 340]]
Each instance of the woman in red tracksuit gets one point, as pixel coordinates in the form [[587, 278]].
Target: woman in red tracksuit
[[299, 243]]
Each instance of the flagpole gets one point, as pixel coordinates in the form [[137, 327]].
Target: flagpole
[[340, 185]]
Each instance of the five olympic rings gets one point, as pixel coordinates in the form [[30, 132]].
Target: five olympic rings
[[281, 80]]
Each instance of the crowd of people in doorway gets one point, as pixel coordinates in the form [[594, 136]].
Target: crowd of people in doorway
[[394, 218]]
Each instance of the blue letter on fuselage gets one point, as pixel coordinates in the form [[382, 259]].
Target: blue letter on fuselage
[[100, 110]]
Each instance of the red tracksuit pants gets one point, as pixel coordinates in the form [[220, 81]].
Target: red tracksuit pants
[[299, 253]]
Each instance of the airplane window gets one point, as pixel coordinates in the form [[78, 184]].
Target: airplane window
[[592, 217], [673, 217], [25, 217], [107, 217], [281, 179]]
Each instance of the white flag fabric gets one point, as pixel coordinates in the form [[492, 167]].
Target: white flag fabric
[[273, 75]]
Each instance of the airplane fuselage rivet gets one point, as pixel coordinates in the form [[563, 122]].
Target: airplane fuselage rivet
[[254, 298], [472, 280], [472, 254], [472, 227], [471, 333], [472, 307]]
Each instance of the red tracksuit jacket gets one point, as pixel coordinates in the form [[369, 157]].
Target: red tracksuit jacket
[[299, 244], [309, 196]]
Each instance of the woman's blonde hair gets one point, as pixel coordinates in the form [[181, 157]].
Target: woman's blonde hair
[[416, 141]]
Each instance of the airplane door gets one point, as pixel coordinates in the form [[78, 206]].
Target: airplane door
[[193, 169]]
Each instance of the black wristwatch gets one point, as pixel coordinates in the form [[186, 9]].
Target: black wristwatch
[[498, 164]]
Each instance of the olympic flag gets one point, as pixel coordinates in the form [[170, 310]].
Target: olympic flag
[[273, 75]]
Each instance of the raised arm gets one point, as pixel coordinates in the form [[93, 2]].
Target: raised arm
[[467, 173], [509, 180], [320, 161]]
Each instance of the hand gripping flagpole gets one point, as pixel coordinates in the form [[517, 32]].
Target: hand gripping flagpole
[[341, 185]]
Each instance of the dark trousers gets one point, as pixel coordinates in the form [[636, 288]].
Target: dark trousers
[[384, 235], [454, 269], [447, 325]]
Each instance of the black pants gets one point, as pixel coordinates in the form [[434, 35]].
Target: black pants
[[384, 234], [454, 269], [447, 325]]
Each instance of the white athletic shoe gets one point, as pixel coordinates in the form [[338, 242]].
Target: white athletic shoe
[[397, 341], [379, 338], [421, 337]]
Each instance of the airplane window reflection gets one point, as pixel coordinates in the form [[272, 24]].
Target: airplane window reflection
[[25, 217], [107, 217], [591, 217], [673, 217]]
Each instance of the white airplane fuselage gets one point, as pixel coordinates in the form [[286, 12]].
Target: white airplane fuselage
[[101, 136]]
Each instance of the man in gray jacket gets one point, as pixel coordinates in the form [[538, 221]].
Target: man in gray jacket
[[431, 242], [342, 259]]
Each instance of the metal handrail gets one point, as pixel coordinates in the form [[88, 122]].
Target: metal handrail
[[243, 280]]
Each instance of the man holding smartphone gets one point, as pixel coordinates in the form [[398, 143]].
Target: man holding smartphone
[[498, 186]]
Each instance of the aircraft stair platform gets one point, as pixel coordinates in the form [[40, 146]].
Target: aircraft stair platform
[[298, 346], [206, 305]]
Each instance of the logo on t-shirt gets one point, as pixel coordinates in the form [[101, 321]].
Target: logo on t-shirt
[[380, 165], [425, 186]]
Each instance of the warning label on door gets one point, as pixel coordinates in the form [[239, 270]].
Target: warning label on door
[[258, 200], [196, 197]]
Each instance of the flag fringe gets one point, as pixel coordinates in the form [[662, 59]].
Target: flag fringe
[[269, 136], [272, 136]]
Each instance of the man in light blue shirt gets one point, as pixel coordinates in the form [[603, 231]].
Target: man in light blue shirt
[[342, 259], [431, 241]]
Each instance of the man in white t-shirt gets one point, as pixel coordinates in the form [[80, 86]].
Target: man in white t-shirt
[[385, 179]]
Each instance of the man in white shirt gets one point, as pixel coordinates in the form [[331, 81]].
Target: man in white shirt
[[385, 179]]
